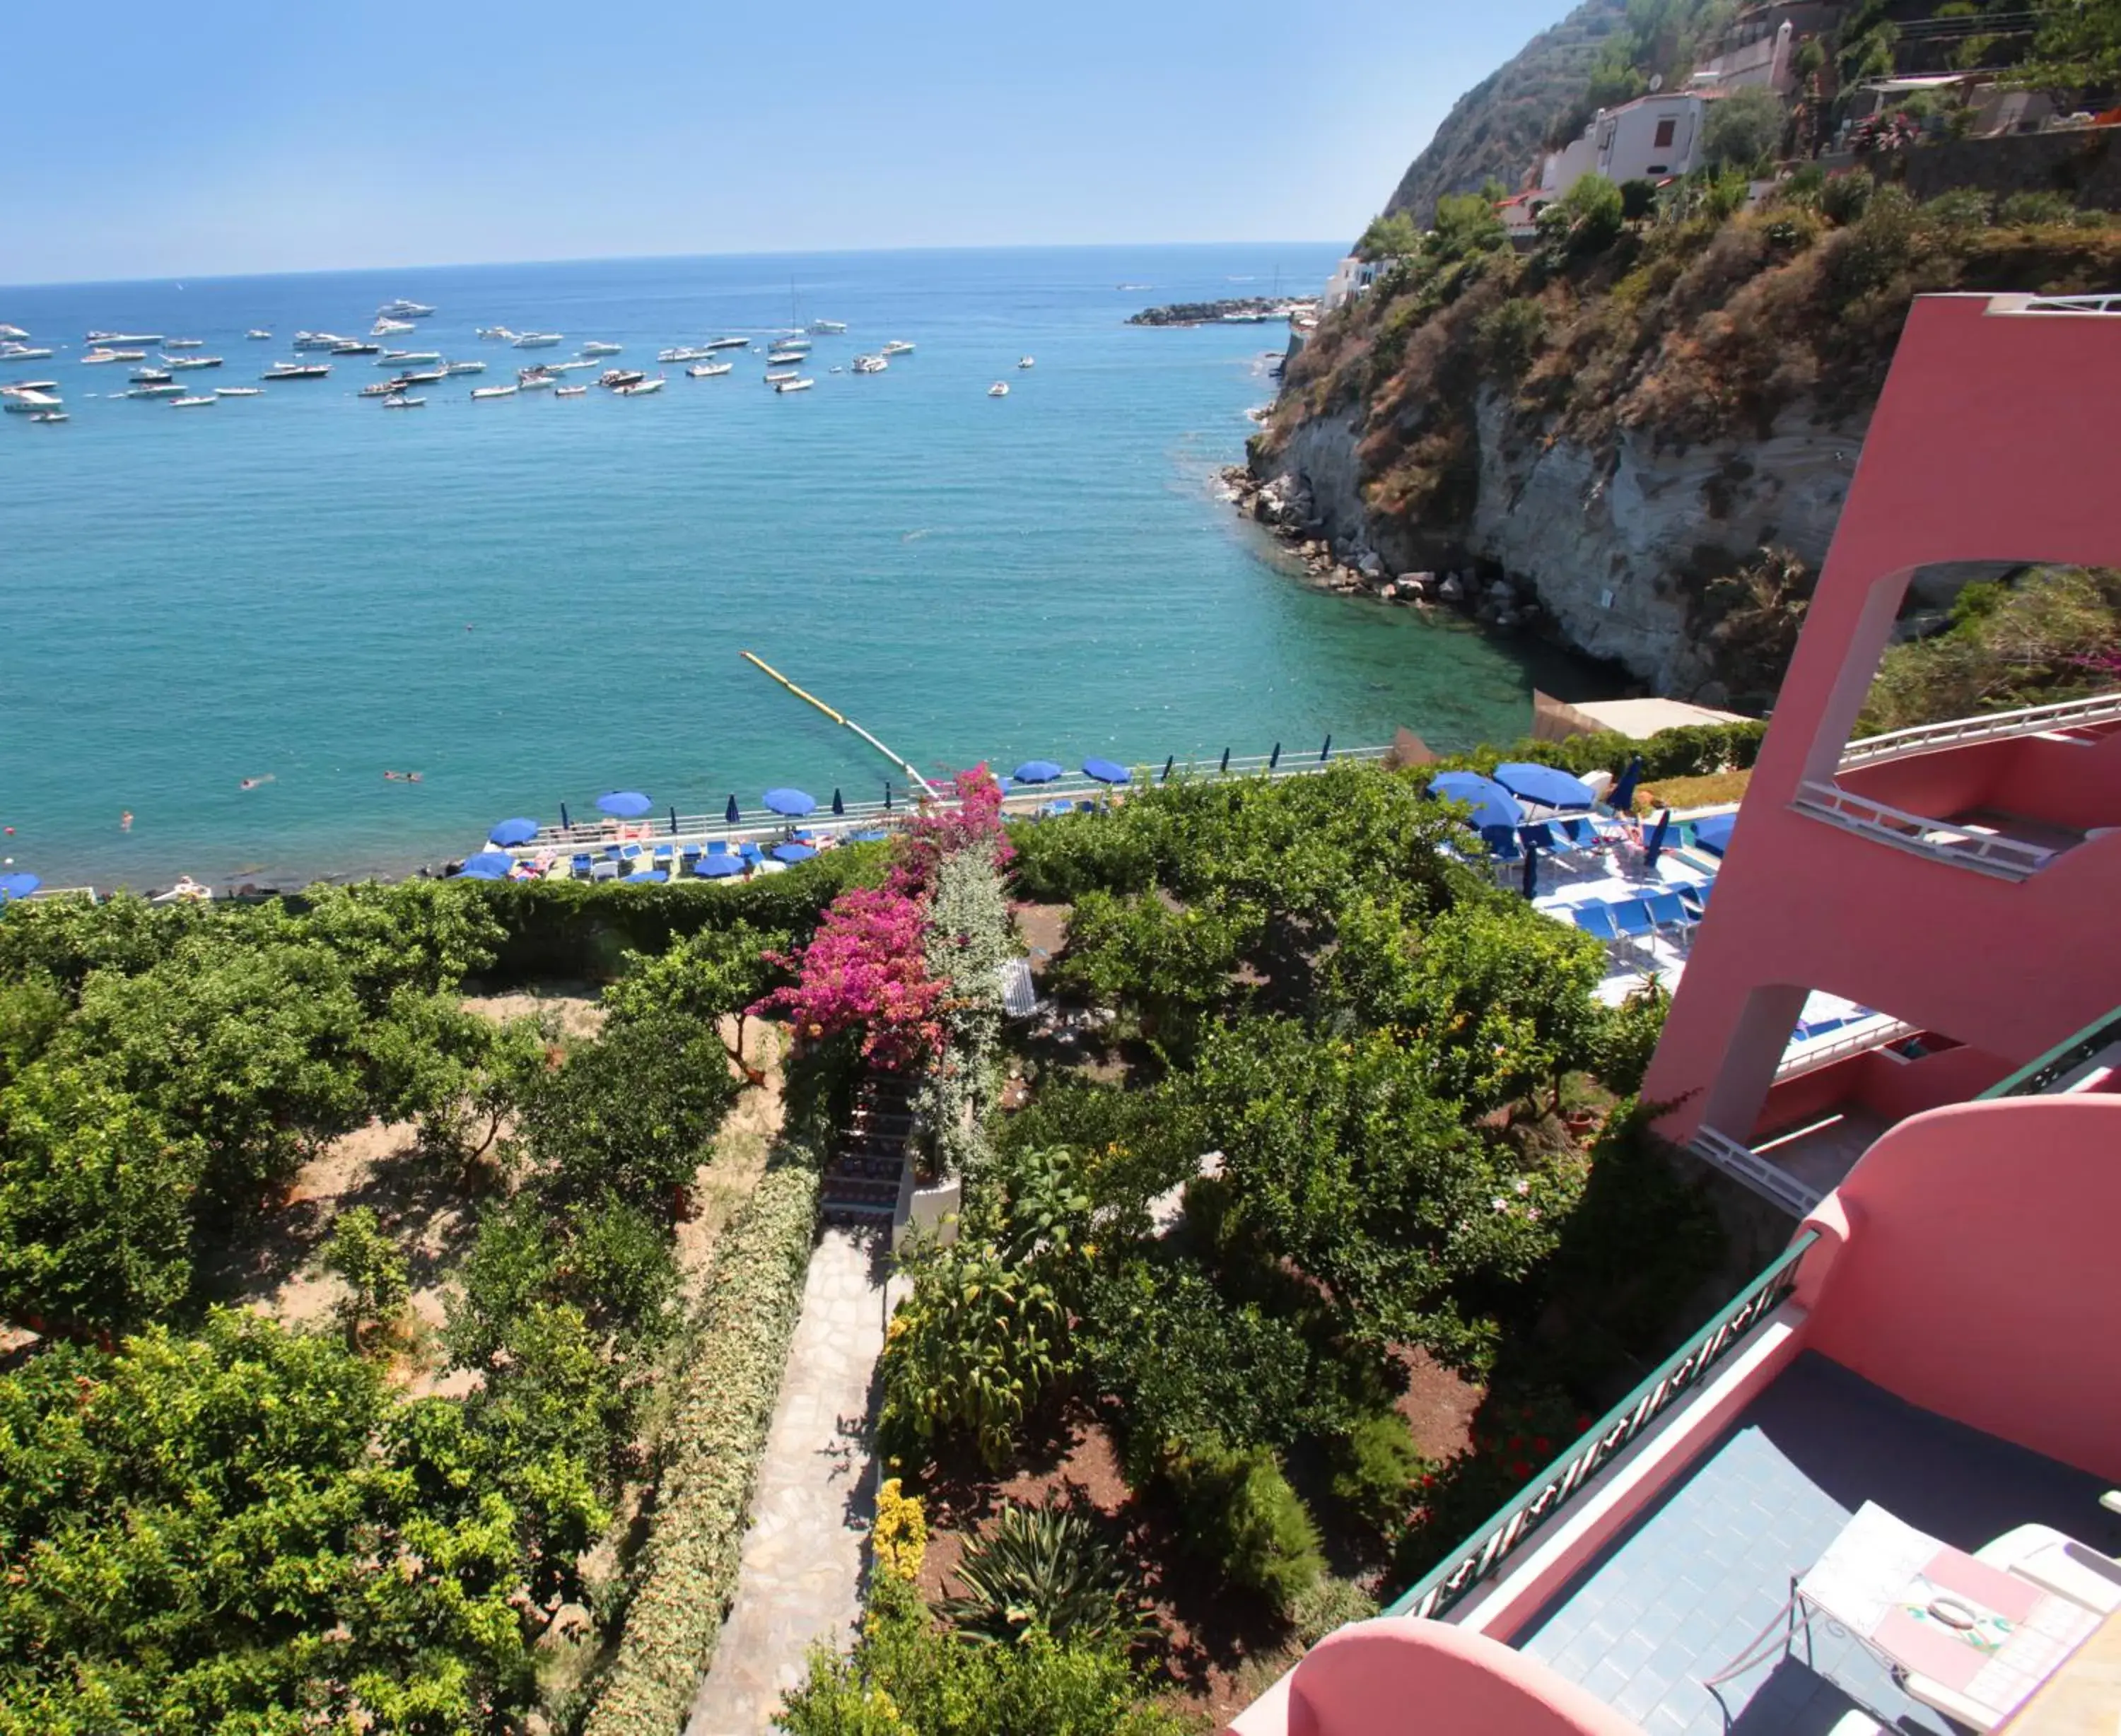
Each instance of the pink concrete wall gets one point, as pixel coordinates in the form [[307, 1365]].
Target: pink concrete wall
[[1882, 1083], [1396, 1675], [2066, 783], [1987, 444], [1977, 1273]]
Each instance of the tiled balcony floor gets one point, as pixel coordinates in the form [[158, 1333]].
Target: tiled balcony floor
[[1679, 1595]]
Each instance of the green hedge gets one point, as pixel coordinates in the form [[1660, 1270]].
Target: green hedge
[[1692, 751], [580, 929], [688, 1573]]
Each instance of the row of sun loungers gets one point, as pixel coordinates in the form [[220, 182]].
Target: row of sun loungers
[[1621, 922]]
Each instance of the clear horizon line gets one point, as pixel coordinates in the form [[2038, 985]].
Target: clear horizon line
[[800, 252]]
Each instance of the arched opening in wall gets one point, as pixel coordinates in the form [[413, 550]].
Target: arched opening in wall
[[1813, 1078], [1983, 708]]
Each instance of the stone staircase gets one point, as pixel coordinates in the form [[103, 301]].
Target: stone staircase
[[861, 1186]]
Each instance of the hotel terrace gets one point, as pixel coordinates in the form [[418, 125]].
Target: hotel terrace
[[1871, 1493]]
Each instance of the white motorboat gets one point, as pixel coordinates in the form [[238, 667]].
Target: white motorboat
[[420, 376], [869, 364], [536, 382], [382, 389], [409, 358], [795, 385], [113, 340], [317, 340], [786, 359], [828, 327], [614, 378], [297, 370], [1026, 361], [402, 309], [500, 331], [570, 391], [29, 385], [150, 376], [728, 343], [998, 389], [538, 341], [238, 392], [897, 346], [20, 401], [192, 403], [49, 416], [11, 335], [641, 387], [165, 390], [191, 361], [683, 354], [184, 343], [95, 356], [575, 367], [355, 347], [479, 391], [782, 377], [385, 328], [399, 401], [258, 334], [597, 347], [465, 367], [709, 369], [24, 352]]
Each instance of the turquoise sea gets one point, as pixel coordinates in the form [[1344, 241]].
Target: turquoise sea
[[533, 600]]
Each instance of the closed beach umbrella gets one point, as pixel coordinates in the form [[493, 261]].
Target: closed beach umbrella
[[1105, 771], [1170, 759], [1623, 793], [1531, 874], [487, 865], [729, 814], [839, 804], [1656, 841], [1713, 834], [623, 804], [1546, 784], [1036, 771], [18, 886], [1492, 804], [719, 868], [513, 832], [793, 852], [794, 803]]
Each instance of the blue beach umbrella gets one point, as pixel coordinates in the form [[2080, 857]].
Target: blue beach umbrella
[[1105, 771], [1546, 784], [18, 886], [487, 865], [794, 803], [513, 832], [1037, 771], [623, 804], [729, 814], [1655, 842], [1492, 804], [793, 852], [719, 868], [1713, 834]]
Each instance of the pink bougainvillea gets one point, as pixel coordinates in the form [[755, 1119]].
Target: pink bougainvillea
[[974, 821], [865, 966]]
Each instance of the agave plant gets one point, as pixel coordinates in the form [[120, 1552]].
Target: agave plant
[[1045, 1567]]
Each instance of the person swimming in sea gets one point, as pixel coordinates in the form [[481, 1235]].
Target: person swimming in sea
[[253, 782]]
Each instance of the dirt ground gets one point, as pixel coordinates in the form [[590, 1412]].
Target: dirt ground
[[576, 1006]]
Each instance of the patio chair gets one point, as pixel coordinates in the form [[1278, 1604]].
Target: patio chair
[[1539, 836], [629, 853], [1667, 912], [1595, 920], [1582, 833], [663, 854], [605, 870], [1697, 896], [1632, 917], [751, 852], [2048, 1559], [581, 865], [718, 846], [1502, 844]]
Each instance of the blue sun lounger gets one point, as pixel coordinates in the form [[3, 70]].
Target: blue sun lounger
[[1595, 920]]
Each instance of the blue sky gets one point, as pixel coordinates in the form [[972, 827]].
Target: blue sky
[[221, 136]]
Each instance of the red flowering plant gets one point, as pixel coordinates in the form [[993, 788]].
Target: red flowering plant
[[974, 821], [1514, 1438], [865, 967]]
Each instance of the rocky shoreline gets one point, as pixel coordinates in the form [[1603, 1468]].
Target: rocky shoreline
[[1243, 309], [1348, 566]]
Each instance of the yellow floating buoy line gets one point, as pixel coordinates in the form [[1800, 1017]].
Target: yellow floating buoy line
[[900, 761]]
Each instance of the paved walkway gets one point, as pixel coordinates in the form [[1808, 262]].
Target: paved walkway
[[815, 1495]]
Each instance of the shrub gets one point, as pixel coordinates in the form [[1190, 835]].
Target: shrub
[[1637, 200], [898, 1539], [1627, 1038], [1957, 209], [2022, 210], [1510, 335], [1242, 1516], [1845, 198], [1742, 130], [369, 1264], [1044, 1569], [1374, 1470]]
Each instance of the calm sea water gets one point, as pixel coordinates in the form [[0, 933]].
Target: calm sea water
[[533, 600]]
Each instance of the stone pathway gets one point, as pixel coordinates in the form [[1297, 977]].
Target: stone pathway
[[816, 1494]]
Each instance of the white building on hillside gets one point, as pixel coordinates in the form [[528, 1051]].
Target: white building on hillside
[[1648, 139], [1349, 279]]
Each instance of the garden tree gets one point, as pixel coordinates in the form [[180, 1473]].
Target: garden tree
[[550, 1396], [865, 969], [226, 1533], [2078, 47], [1466, 225], [969, 941], [363, 1257], [717, 974], [935, 835], [96, 1194], [1586, 219], [459, 1075], [32, 1008], [1173, 967], [1741, 130], [66, 939], [609, 1260], [1340, 1156], [1391, 236], [1638, 200], [424, 935]]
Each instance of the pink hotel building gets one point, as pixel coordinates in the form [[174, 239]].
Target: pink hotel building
[[1923, 1390]]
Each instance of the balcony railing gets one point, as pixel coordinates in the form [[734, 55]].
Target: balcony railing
[[2037, 1078], [1997, 726], [2067, 304], [1986, 852], [1860, 1041], [1770, 1180], [1482, 1555]]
